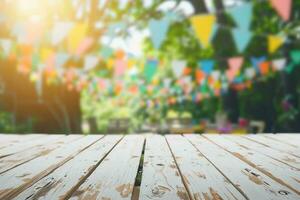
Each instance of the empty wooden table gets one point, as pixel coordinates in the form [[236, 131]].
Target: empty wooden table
[[150, 166]]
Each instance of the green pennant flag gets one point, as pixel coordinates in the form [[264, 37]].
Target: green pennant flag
[[289, 68], [295, 55], [150, 69]]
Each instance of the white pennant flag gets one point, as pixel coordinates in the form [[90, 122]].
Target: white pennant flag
[[216, 74], [60, 31], [167, 82], [178, 67], [6, 46], [90, 62], [250, 72], [279, 64]]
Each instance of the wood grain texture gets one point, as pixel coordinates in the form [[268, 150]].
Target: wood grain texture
[[28, 144], [7, 140], [250, 181], [289, 139], [202, 179], [60, 183], [161, 178], [280, 156], [274, 144], [261, 162], [19, 158], [18, 179], [114, 178]]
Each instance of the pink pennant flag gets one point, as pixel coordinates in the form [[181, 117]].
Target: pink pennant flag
[[84, 46], [235, 64], [120, 67], [283, 8]]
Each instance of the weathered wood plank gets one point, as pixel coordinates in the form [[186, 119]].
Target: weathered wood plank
[[278, 171], [28, 144], [161, 178], [274, 144], [114, 178], [60, 183], [13, 140], [253, 183], [18, 179], [201, 178], [280, 156], [294, 141], [19, 158]]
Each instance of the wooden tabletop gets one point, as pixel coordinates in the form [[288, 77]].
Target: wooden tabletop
[[150, 166]]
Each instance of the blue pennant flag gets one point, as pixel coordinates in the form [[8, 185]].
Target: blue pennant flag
[[159, 30], [256, 61], [242, 15], [241, 38], [206, 66]]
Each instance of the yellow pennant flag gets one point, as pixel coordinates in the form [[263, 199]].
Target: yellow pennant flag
[[203, 27], [274, 42], [76, 36]]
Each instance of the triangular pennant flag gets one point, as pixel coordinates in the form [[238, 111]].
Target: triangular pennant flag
[[84, 45], [199, 76], [204, 28], [274, 42], [264, 67], [90, 62], [283, 8], [159, 30], [279, 64], [242, 15], [242, 38], [216, 75], [6, 46], [61, 59], [235, 64], [76, 36], [60, 31], [150, 69], [120, 67], [178, 67], [250, 73], [289, 68], [206, 66], [106, 52], [256, 62], [295, 55]]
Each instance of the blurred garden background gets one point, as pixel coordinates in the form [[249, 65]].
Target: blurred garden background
[[168, 66]]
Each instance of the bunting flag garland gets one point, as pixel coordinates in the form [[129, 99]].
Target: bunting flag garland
[[256, 61], [235, 64], [178, 67], [283, 8], [279, 64], [242, 38], [60, 32], [120, 67], [274, 42], [61, 59], [6, 46], [206, 66], [90, 62], [242, 15], [150, 69], [76, 36], [295, 56], [250, 73], [264, 67], [203, 26], [158, 30]]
